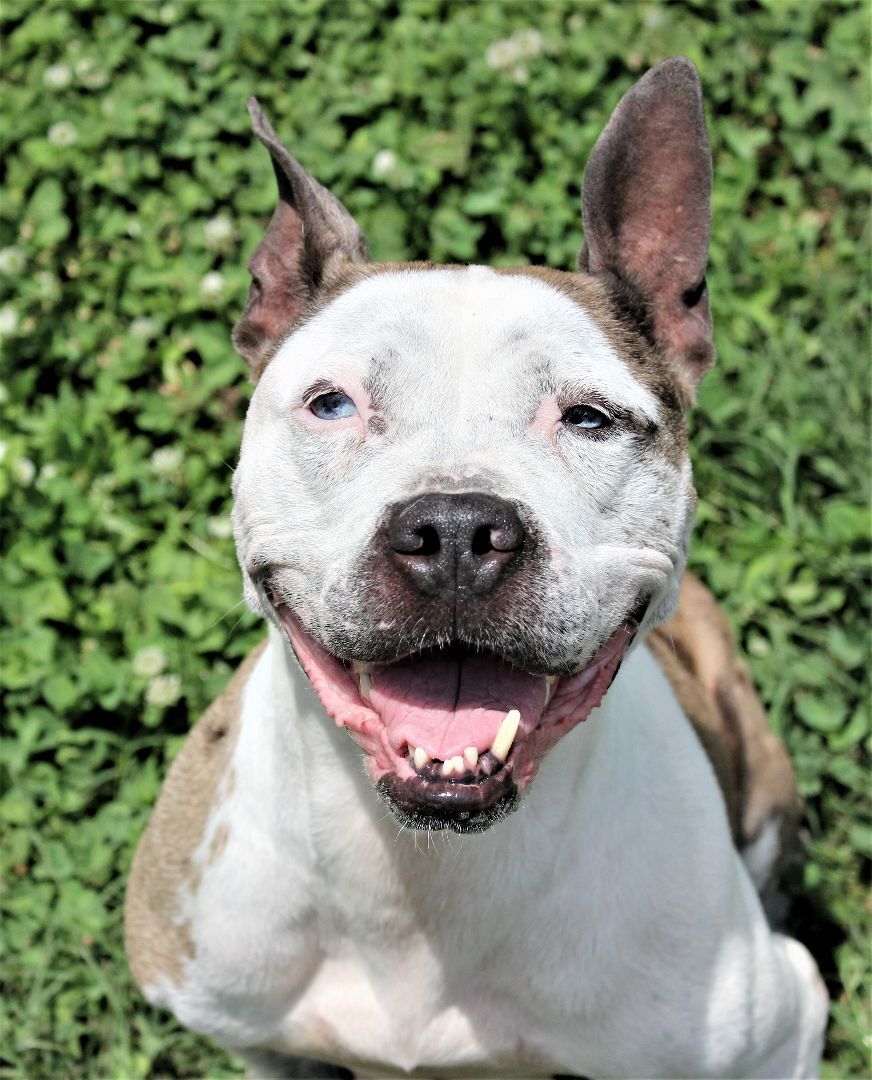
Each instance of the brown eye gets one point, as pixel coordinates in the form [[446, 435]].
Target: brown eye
[[586, 417]]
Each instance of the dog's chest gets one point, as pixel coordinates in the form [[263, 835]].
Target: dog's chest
[[393, 1014], [358, 968]]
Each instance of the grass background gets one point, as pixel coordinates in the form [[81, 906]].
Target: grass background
[[133, 194]]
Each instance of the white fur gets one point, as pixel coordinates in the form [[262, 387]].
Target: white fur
[[606, 929], [466, 358]]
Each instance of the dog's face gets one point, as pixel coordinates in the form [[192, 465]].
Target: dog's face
[[463, 491]]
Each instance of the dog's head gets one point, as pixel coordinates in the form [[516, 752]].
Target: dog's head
[[463, 491]]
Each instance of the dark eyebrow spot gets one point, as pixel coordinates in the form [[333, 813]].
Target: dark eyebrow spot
[[376, 382]]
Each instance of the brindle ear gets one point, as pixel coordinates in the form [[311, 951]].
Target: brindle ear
[[647, 211], [310, 233]]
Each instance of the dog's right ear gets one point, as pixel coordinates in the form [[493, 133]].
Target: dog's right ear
[[309, 235]]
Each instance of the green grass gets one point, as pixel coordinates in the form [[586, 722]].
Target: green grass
[[133, 196]]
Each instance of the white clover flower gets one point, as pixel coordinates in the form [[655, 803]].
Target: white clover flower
[[220, 527], [89, 74], [383, 164], [149, 662], [529, 42], [219, 232], [102, 484], [23, 470], [143, 328], [46, 473], [8, 320], [502, 54], [49, 286], [63, 133], [164, 690], [12, 260], [166, 460], [212, 285], [57, 76]]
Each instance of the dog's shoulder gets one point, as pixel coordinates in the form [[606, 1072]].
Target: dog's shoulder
[[696, 650], [157, 936]]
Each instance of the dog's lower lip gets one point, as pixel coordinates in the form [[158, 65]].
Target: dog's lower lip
[[462, 808]]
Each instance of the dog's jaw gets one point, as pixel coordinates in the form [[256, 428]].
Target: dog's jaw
[[467, 765]]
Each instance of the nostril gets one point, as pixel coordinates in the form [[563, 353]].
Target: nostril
[[481, 540], [429, 541]]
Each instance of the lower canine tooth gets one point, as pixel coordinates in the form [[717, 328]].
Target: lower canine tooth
[[502, 744], [448, 767], [550, 680], [365, 685], [457, 762], [470, 756], [422, 758]]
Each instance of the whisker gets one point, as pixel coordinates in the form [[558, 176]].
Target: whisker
[[226, 613]]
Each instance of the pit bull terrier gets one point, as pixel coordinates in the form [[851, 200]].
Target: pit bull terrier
[[429, 829]]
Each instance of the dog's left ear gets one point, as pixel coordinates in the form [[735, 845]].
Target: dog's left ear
[[647, 211], [309, 235]]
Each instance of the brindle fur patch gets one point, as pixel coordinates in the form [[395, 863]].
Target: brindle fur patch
[[697, 653], [157, 944]]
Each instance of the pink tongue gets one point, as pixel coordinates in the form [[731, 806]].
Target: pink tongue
[[444, 705]]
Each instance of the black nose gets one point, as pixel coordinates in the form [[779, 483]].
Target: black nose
[[455, 542]]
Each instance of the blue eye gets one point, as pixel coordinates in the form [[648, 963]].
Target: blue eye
[[586, 417], [333, 406]]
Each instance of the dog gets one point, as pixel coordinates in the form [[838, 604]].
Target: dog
[[463, 503]]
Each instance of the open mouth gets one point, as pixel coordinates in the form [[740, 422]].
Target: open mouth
[[453, 735]]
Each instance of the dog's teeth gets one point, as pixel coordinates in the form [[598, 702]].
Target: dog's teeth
[[365, 685], [448, 766], [457, 762], [470, 756], [421, 757], [550, 680], [502, 744]]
